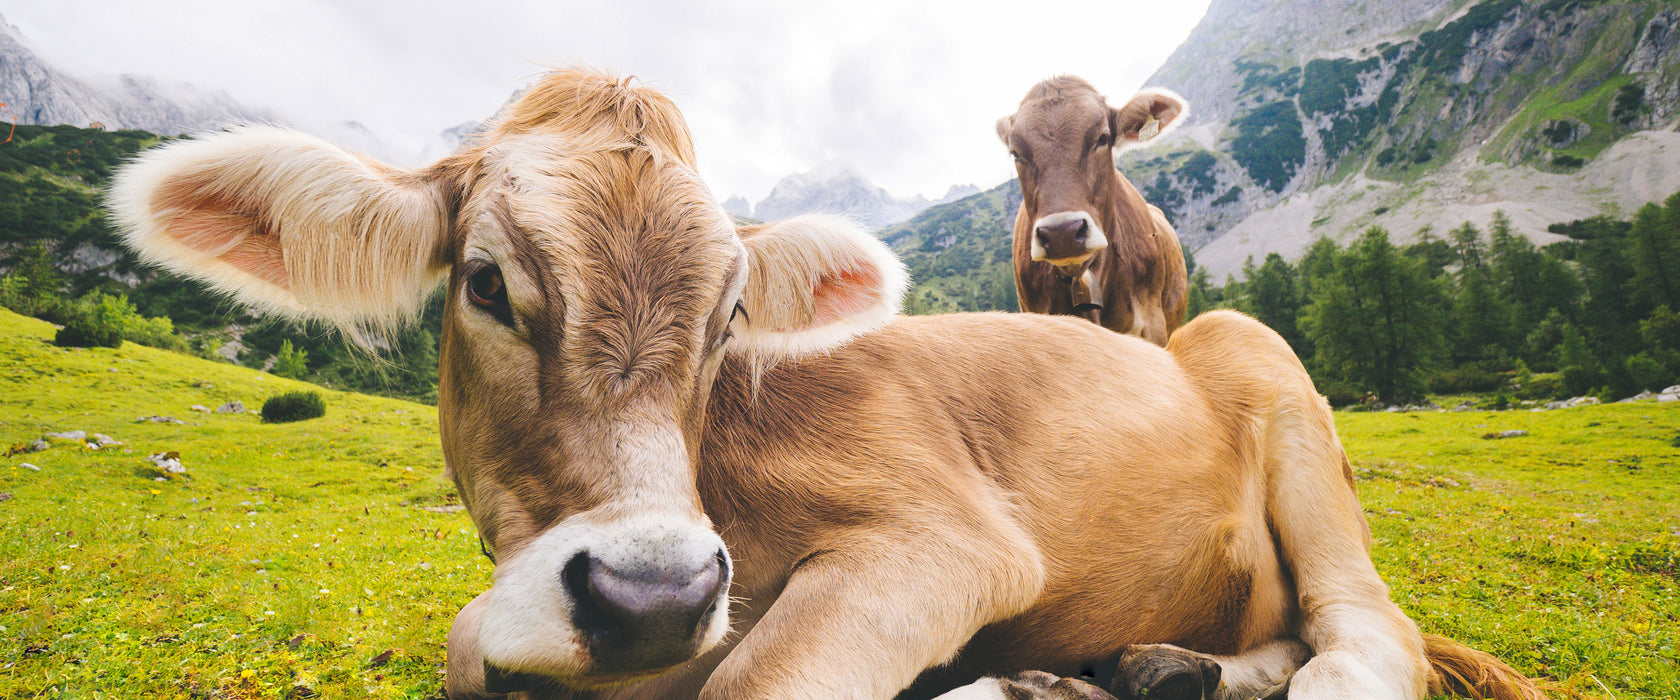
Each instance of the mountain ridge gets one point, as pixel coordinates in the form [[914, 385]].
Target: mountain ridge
[[835, 188], [38, 93], [1459, 104]]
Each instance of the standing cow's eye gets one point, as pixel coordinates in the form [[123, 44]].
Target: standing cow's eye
[[1019, 160], [1102, 141], [486, 290]]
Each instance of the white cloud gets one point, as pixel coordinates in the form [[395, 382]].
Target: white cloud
[[906, 92]]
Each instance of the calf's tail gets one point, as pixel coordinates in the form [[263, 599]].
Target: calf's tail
[[1456, 669]]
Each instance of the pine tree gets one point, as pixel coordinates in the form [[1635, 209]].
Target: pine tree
[[1376, 322], [1434, 253], [1655, 253], [1201, 296], [290, 362], [1531, 283], [1273, 300], [1480, 319], [1318, 263]]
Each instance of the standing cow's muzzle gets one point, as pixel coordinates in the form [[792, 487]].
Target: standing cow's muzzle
[[1067, 239], [591, 605]]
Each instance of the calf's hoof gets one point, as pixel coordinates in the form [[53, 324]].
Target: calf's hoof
[[1037, 685], [1165, 672]]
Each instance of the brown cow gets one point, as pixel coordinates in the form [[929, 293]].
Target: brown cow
[[712, 462], [1086, 243]]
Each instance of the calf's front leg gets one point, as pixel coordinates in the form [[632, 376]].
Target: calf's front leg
[[863, 621]]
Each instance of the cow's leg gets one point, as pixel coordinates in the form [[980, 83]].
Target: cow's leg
[[1363, 645], [1148, 320], [1173, 673], [1161, 672], [864, 622]]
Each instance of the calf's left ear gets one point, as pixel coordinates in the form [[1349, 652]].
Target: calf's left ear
[[1150, 113], [814, 283], [289, 224]]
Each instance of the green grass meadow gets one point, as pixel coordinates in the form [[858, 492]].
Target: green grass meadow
[[323, 558]]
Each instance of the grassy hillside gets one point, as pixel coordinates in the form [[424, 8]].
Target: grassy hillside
[[55, 237], [286, 562], [291, 558]]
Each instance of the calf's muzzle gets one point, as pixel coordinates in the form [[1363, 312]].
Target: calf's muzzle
[[642, 617]]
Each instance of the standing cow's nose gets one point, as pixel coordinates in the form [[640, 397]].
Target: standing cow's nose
[[645, 617], [1064, 239]]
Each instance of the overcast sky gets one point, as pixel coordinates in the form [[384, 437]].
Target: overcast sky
[[905, 92]]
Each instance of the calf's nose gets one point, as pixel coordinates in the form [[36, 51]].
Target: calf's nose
[[1064, 239], [642, 617]]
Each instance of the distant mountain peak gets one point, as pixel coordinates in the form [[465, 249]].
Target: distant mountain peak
[[38, 93], [835, 187]]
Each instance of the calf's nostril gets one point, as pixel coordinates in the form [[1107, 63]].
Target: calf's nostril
[[643, 613]]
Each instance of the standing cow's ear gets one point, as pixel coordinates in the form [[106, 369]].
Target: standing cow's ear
[[1150, 113], [813, 283], [289, 224], [1004, 126]]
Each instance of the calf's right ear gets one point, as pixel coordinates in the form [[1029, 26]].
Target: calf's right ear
[[289, 224], [813, 284]]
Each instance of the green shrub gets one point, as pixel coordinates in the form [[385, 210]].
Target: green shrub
[[99, 319], [290, 362], [1543, 386], [294, 406], [1578, 381], [1648, 372], [1472, 378], [158, 332], [96, 320]]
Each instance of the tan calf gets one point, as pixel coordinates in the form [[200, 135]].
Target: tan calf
[[712, 462], [1086, 243]]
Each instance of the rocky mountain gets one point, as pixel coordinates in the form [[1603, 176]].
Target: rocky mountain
[[833, 188], [738, 207], [36, 93], [1327, 117]]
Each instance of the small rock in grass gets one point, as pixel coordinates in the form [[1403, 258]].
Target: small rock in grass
[[77, 435], [1504, 434], [39, 445], [29, 466], [443, 509], [231, 407], [1577, 401], [161, 419], [201, 408], [169, 462], [5, 497], [104, 440]]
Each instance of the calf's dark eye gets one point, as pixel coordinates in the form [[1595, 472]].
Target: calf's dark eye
[[486, 290]]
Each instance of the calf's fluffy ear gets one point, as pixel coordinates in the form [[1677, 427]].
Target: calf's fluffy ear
[[1149, 114], [289, 224], [814, 283]]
